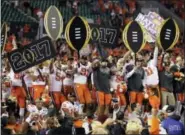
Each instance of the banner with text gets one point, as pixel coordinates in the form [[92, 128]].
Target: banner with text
[[106, 36], [31, 55], [151, 23]]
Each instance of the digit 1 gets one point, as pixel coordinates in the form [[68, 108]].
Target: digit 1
[[103, 35]]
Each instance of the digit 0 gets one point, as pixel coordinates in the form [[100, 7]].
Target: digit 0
[[28, 56], [95, 34]]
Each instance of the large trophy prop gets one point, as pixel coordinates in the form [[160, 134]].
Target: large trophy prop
[[133, 37], [77, 33]]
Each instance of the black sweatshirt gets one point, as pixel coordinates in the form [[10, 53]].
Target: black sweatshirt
[[166, 80], [135, 82], [178, 85], [101, 80]]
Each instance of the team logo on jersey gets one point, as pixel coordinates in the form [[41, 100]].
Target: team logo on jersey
[[168, 34], [133, 37], [77, 33], [3, 35], [53, 23]]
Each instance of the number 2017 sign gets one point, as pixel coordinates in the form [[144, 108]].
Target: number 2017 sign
[[105, 35], [31, 55]]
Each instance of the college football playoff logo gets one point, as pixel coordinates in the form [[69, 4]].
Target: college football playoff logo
[[133, 37], [53, 23], [168, 34], [77, 33]]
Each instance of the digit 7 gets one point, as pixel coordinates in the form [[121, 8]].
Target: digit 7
[[45, 49], [41, 50], [112, 33], [38, 55]]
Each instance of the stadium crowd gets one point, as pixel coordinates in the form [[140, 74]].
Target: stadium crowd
[[176, 6], [111, 94]]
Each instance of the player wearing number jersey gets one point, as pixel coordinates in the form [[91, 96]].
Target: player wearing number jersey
[[55, 87], [70, 108], [151, 79], [151, 70], [38, 84], [80, 82], [68, 79], [119, 87], [28, 81], [18, 91]]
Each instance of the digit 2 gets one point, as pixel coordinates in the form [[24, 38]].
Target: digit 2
[[18, 62]]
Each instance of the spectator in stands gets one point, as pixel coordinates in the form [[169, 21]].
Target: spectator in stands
[[154, 123], [26, 30], [171, 122], [27, 8], [75, 7]]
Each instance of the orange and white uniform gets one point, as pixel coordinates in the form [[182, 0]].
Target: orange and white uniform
[[55, 89], [80, 84], [38, 86], [17, 88], [28, 80], [71, 109], [151, 78], [18, 91], [119, 87], [33, 109], [68, 82]]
